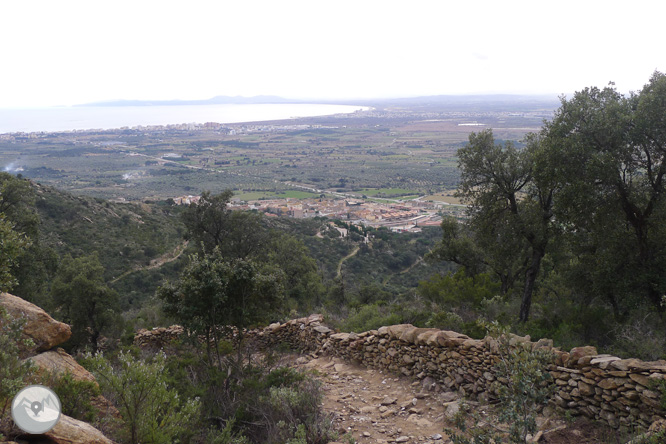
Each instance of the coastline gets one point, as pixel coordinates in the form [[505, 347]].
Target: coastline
[[77, 119]]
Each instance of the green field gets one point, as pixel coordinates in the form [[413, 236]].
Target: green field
[[388, 192], [258, 195]]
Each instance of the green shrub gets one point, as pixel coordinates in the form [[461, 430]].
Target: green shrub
[[266, 406], [75, 396], [152, 411], [369, 317], [522, 386], [14, 372]]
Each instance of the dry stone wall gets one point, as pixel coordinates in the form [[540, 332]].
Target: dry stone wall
[[603, 387]]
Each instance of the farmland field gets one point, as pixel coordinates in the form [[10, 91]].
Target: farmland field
[[388, 152]]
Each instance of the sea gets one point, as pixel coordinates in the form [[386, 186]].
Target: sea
[[112, 117]]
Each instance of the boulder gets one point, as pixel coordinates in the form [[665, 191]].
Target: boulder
[[411, 334], [45, 331], [72, 431], [396, 331], [579, 352], [59, 362], [322, 329]]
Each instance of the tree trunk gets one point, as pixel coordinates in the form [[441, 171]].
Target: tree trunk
[[530, 280]]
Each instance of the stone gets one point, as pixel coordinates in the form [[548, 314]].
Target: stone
[[449, 396], [45, 331], [59, 362], [452, 409], [72, 431], [411, 335], [421, 422], [388, 413], [640, 379], [402, 439], [389, 400], [601, 359], [340, 336], [515, 339], [585, 389], [608, 384], [609, 418], [339, 368], [322, 329], [428, 383], [578, 352], [426, 337], [396, 331], [544, 343]]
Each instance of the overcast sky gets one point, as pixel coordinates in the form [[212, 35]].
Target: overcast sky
[[69, 52]]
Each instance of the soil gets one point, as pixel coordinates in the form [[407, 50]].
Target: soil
[[375, 407]]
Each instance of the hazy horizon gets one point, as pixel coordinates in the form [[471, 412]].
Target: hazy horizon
[[64, 54]]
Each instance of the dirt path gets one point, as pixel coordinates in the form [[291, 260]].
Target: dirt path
[[352, 254], [167, 257], [375, 407]]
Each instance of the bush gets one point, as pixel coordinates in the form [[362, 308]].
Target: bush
[[369, 317], [14, 373], [152, 411], [75, 396], [523, 386], [266, 406]]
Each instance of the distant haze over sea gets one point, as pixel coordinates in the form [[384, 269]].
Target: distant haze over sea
[[110, 116]]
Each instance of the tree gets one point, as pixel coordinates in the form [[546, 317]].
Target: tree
[[12, 245], [36, 266], [609, 153], [210, 224], [218, 298], [508, 194], [84, 300], [17, 201], [303, 284], [492, 248]]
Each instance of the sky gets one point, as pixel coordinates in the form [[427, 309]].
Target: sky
[[60, 53]]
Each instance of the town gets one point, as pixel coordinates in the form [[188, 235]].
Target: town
[[402, 216]]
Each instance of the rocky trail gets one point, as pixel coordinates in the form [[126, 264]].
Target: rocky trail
[[374, 407]]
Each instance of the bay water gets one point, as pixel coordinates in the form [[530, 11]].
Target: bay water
[[111, 117]]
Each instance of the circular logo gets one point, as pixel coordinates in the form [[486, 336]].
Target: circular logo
[[36, 409]]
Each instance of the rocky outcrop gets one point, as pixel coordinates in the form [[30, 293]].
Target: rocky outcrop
[[59, 362], [45, 331], [72, 431]]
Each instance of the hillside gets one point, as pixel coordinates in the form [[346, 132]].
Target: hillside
[[125, 236], [141, 245]]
